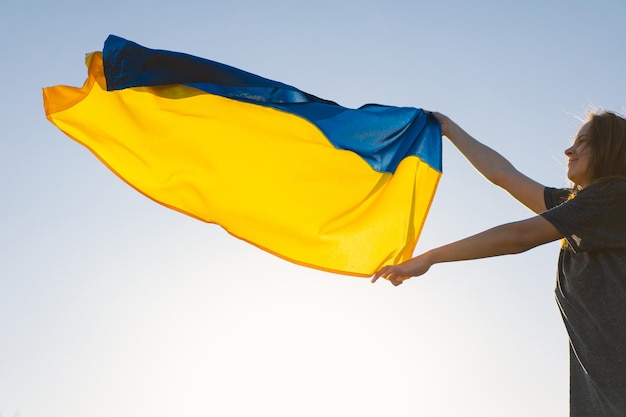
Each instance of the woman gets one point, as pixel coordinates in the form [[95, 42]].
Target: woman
[[591, 281]]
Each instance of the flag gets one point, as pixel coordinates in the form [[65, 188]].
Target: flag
[[321, 185]]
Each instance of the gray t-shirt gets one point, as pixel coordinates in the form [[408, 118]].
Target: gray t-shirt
[[591, 293]]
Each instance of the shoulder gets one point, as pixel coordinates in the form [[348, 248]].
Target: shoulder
[[605, 200], [595, 219], [615, 184], [608, 196], [606, 191]]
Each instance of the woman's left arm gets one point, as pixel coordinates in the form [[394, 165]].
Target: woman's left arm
[[506, 239]]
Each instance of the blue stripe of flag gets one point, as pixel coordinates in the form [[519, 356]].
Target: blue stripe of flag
[[382, 135]]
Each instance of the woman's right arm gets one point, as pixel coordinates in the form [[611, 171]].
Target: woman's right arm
[[494, 166]]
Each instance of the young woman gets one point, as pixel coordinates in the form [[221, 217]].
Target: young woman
[[591, 281]]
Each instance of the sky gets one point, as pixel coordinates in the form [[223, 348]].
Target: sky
[[112, 305]]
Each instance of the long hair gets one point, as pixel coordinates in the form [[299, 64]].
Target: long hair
[[607, 134]]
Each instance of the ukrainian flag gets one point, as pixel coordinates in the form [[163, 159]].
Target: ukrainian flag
[[337, 189]]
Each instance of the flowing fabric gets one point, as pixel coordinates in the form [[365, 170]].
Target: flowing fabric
[[337, 189]]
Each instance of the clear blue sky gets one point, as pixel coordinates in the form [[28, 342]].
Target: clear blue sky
[[111, 305]]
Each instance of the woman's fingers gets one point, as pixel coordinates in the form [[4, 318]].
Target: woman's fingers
[[389, 273], [381, 273], [396, 280]]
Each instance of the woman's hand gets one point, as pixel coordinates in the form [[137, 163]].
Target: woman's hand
[[396, 274], [445, 122]]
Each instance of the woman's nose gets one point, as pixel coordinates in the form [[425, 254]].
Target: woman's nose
[[569, 151]]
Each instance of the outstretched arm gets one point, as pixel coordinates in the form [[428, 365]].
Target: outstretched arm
[[501, 240], [494, 166]]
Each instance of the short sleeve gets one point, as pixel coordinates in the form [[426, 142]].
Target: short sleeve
[[593, 220], [555, 196]]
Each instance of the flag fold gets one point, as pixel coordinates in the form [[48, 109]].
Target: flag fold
[[337, 189]]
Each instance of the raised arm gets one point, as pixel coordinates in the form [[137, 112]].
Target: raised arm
[[501, 240], [494, 166]]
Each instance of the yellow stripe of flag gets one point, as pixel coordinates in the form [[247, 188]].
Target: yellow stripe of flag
[[265, 175]]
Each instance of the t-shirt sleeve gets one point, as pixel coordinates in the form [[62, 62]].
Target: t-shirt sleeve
[[555, 196], [593, 220]]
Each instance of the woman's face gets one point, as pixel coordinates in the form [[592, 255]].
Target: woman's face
[[579, 155]]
